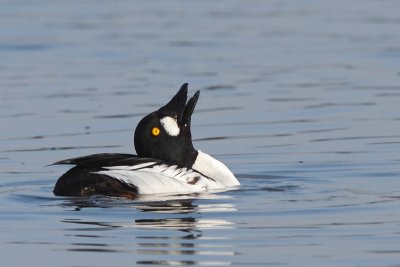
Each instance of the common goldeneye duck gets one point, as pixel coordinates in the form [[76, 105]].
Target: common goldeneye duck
[[166, 161]]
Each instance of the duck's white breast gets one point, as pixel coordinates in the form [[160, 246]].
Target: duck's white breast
[[214, 169]]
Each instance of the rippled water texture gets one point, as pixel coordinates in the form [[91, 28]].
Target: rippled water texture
[[299, 98]]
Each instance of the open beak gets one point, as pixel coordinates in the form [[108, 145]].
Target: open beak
[[179, 109]]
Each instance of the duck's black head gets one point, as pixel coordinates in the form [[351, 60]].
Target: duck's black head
[[165, 134]]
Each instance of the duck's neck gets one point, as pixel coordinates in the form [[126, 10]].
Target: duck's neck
[[188, 158]]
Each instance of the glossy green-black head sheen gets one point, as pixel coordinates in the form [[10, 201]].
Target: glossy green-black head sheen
[[165, 134]]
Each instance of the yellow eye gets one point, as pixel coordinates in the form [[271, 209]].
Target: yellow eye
[[155, 131]]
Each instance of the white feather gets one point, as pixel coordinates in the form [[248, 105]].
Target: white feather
[[154, 178], [134, 167], [162, 179], [214, 169], [170, 125]]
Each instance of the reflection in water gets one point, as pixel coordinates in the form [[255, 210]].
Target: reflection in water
[[91, 226], [183, 263], [190, 243], [182, 224], [181, 206], [159, 238]]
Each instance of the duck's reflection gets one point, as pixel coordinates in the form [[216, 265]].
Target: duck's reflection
[[171, 206], [183, 224], [173, 249], [170, 231]]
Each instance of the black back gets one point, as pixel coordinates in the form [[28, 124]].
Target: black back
[[106, 160], [82, 180]]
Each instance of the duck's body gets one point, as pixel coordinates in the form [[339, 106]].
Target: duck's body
[[129, 175], [166, 160]]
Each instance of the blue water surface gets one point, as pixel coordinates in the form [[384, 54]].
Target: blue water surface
[[301, 99]]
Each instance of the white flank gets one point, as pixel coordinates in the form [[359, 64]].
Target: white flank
[[134, 167], [214, 169], [163, 179], [170, 125]]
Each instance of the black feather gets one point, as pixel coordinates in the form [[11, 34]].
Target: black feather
[[106, 160], [82, 182]]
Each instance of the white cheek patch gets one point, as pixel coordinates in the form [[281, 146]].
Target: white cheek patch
[[170, 125]]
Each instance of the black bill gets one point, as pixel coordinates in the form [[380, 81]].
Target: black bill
[[178, 108]]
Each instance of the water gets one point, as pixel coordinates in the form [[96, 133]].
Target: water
[[300, 99]]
